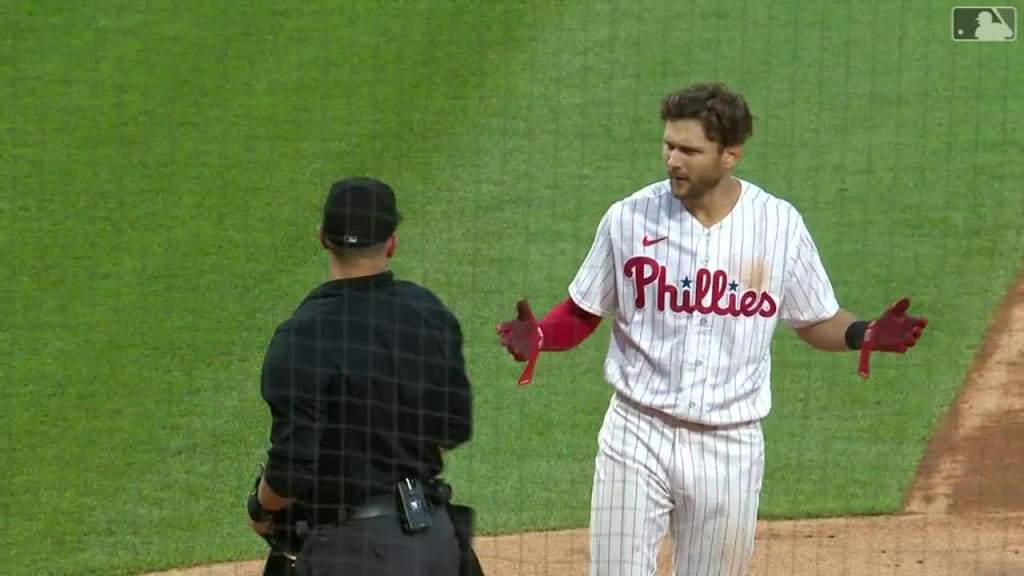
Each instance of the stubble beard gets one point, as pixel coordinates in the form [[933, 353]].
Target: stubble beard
[[696, 188]]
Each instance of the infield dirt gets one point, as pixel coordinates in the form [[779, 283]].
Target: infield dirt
[[963, 517]]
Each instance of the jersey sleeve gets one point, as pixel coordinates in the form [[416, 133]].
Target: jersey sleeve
[[291, 384], [808, 294], [594, 287], [449, 422]]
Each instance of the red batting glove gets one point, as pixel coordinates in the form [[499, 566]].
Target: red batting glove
[[523, 338], [894, 331]]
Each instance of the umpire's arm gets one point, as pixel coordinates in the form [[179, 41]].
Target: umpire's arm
[[293, 387], [453, 402]]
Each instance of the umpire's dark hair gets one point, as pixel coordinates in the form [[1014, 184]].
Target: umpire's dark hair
[[723, 113], [349, 253]]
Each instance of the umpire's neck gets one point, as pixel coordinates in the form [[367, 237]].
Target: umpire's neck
[[343, 271], [345, 263]]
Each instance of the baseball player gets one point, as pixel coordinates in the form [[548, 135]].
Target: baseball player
[[694, 272]]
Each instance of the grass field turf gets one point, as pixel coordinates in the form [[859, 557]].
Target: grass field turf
[[164, 165]]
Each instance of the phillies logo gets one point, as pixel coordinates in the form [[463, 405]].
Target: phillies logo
[[712, 292]]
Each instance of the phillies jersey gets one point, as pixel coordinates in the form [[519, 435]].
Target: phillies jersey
[[695, 308]]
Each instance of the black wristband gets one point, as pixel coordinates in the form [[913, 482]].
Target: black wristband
[[855, 334], [256, 511]]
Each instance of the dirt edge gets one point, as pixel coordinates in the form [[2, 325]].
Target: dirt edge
[[990, 406]]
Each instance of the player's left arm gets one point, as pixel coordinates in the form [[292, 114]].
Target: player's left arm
[[834, 334], [810, 307]]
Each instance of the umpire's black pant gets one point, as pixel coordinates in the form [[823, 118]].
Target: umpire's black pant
[[379, 547]]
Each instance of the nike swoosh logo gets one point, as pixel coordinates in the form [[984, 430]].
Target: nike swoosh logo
[[652, 242]]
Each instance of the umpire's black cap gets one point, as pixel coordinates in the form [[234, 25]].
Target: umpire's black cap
[[360, 212]]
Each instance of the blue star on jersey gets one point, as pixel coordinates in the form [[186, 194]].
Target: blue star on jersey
[[686, 282]]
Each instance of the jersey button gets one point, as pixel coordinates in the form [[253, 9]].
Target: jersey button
[[703, 321]]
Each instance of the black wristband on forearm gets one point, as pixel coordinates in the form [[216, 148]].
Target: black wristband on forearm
[[855, 334], [256, 511]]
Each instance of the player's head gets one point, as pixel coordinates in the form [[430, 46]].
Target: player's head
[[706, 126], [360, 219], [984, 17]]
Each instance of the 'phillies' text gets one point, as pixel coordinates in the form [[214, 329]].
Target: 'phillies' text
[[646, 271]]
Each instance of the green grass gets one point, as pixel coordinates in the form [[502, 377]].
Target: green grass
[[164, 163]]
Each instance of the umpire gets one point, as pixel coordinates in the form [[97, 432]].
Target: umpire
[[367, 389]]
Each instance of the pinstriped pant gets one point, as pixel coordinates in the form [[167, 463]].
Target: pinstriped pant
[[653, 475]]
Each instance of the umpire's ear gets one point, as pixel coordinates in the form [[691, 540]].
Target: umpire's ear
[[392, 245], [323, 239]]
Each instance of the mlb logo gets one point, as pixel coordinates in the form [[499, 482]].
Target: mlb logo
[[984, 23]]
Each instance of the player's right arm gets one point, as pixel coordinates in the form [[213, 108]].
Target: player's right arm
[[592, 295], [566, 326], [594, 288]]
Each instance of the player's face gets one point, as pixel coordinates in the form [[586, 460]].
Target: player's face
[[695, 165]]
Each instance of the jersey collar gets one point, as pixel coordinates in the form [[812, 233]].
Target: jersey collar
[[362, 283]]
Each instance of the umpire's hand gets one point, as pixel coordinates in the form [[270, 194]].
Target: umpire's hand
[[259, 520], [261, 528]]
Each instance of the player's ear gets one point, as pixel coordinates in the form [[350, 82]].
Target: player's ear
[[731, 156]]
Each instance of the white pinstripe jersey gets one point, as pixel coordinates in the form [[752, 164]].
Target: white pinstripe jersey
[[695, 308]]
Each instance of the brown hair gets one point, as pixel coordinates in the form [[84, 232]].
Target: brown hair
[[723, 114]]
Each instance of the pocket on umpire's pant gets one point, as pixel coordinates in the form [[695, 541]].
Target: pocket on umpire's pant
[[343, 550]]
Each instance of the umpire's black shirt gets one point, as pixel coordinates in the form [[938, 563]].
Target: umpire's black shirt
[[365, 382]]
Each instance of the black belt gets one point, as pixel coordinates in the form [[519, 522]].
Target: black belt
[[373, 508], [438, 493]]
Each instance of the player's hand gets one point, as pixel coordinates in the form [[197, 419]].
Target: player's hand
[[894, 331], [522, 336], [523, 339]]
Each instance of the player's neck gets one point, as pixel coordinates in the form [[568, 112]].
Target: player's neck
[[712, 207]]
